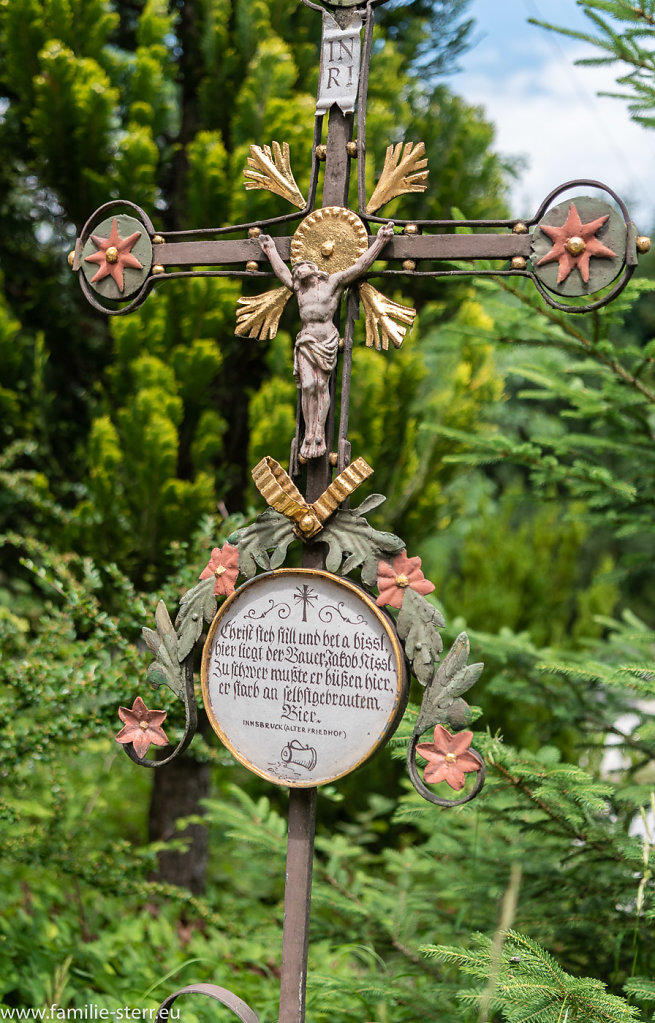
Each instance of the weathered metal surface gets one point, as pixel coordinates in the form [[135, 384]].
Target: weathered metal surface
[[337, 161], [303, 677], [297, 904], [222, 252], [219, 252]]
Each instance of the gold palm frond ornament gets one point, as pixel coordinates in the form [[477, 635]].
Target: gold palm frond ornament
[[259, 315], [270, 169], [386, 320], [404, 171]]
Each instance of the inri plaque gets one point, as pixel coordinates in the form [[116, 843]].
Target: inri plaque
[[303, 676]]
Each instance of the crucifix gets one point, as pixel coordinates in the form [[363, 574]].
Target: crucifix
[[304, 671]]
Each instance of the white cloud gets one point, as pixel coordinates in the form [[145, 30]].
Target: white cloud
[[550, 114]]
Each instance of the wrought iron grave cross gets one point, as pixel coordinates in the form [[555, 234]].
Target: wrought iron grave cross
[[312, 724]]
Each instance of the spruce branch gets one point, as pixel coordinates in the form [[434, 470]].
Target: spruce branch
[[590, 347]]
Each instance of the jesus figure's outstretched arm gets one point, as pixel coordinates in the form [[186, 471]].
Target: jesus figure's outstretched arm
[[279, 267], [366, 260]]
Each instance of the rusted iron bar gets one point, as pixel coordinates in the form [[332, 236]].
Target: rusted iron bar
[[337, 161], [426, 246], [302, 802], [297, 904]]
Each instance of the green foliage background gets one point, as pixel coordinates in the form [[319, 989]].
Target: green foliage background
[[515, 447]]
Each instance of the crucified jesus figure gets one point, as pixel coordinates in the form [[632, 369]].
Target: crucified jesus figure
[[317, 344]]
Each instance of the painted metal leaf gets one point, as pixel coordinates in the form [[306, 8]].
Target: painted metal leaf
[[260, 316], [404, 171], [418, 626], [453, 677], [166, 668], [369, 503], [270, 531], [348, 535], [197, 606], [386, 320]]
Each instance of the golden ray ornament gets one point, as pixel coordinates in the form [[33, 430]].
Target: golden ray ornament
[[260, 315], [280, 493], [271, 170], [404, 171], [381, 312]]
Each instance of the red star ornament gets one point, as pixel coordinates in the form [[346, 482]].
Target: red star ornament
[[113, 255], [574, 243]]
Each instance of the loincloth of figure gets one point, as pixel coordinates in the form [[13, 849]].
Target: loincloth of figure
[[320, 354]]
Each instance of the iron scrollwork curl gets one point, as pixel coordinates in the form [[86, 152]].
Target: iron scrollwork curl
[[425, 792], [219, 994], [190, 724]]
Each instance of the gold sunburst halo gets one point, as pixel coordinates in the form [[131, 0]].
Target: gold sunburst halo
[[332, 237]]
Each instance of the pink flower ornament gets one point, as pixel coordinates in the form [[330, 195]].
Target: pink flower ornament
[[142, 727], [224, 566], [449, 758], [403, 573]]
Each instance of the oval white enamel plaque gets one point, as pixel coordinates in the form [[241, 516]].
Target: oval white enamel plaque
[[302, 676]]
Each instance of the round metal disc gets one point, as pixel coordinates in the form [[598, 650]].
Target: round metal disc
[[121, 266], [602, 256], [303, 676], [333, 238]]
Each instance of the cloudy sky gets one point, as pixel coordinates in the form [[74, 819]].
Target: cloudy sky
[[548, 111]]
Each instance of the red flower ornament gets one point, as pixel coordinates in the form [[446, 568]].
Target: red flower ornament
[[395, 578], [142, 727], [449, 758], [224, 566]]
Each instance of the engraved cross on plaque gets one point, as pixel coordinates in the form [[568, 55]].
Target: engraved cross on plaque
[[579, 254]]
